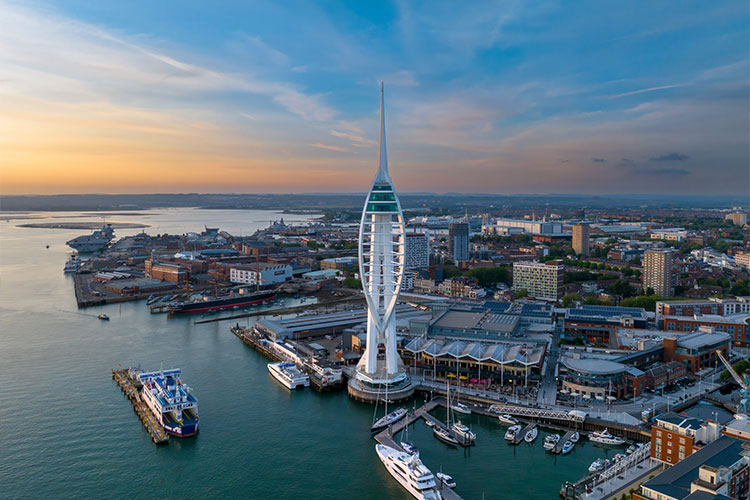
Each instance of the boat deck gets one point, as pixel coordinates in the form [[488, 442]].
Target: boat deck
[[131, 387]]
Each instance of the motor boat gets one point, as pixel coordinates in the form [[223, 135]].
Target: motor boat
[[409, 448], [429, 423], [410, 472], [463, 432], [567, 447], [531, 435], [597, 465], [507, 419], [551, 441], [575, 437], [510, 434], [446, 480], [461, 408], [604, 437], [103, 317], [619, 457]]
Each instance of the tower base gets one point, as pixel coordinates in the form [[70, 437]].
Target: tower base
[[375, 387]]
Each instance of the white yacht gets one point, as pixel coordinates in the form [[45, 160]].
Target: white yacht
[[446, 480], [410, 472], [597, 465], [289, 375], [531, 435], [461, 408], [575, 437], [507, 419], [464, 432], [444, 435], [567, 447], [604, 437], [510, 434], [551, 441]]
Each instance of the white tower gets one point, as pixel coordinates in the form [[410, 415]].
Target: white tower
[[381, 266]]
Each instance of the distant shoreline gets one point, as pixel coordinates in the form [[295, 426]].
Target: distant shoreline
[[82, 225]]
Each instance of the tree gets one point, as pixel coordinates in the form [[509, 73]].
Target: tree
[[315, 245], [352, 282], [522, 293], [648, 302], [570, 298], [622, 288], [488, 276]]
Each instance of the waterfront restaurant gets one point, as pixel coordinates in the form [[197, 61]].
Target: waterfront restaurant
[[593, 378], [500, 362]]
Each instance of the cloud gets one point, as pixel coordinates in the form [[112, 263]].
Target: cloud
[[92, 63], [270, 53], [650, 89], [329, 147], [299, 69], [670, 157], [361, 141], [599, 160], [680, 172], [403, 78]]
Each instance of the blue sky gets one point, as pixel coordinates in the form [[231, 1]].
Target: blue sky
[[504, 97]]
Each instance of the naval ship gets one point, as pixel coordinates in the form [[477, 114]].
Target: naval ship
[[90, 243]]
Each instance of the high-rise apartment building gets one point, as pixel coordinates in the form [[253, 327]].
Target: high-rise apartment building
[[581, 239], [657, 272], [458, 241], [417, 251], [542, 280], [737, 218]]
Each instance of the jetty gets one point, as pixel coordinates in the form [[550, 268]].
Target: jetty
[[561, 442], [131, 386], [521, 435], [385, 437]]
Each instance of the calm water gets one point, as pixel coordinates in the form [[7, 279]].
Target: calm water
[[67, 431]]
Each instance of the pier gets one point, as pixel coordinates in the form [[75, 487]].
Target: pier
[[131, 386], [559, 446], [521, 435], [385, 437]]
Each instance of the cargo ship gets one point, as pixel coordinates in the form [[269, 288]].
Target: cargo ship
[[217, 303], [171, 402]]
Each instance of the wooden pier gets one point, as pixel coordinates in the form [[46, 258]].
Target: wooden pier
[[131, 386]]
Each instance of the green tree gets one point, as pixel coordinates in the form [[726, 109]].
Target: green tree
[[570, 298], [522, 293], [352, 282], [488, 276]]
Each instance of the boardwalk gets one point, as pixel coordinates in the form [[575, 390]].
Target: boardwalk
[[131, 387]]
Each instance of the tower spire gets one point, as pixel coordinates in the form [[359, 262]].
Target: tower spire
[[382, 175]]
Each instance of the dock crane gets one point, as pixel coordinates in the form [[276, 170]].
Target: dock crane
[[743, 382]]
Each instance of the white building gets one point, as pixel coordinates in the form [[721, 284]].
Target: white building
[[267, 274], [501, 227]]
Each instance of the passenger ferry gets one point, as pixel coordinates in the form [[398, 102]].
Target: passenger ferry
[[171, 402], [289, 375], [410, 472]]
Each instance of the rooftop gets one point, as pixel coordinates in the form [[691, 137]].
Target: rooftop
[[596, 366], [697, 340], [675, 481], [681, 421]]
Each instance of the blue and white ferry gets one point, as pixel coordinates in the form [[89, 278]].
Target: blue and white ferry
[[171, 401]]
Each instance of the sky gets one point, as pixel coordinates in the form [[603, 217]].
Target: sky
[[481, 97]]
